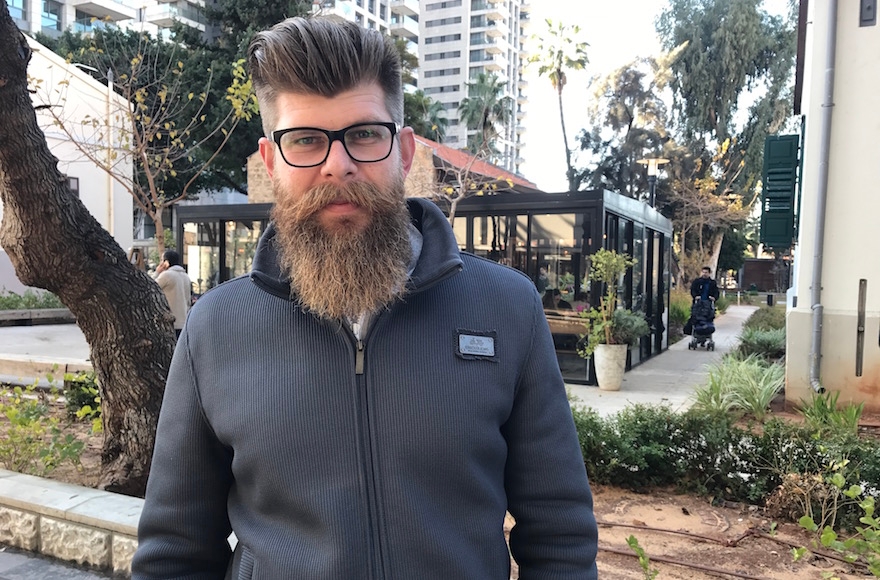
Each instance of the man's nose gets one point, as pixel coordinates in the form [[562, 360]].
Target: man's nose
[[339, 163]]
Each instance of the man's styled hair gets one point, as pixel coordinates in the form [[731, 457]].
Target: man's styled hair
[[320, 56], [172, 257], [707, 269]]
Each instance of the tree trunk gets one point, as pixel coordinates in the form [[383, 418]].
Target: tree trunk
[[160, 232], [717, 239], [56, 244], [569, 171]]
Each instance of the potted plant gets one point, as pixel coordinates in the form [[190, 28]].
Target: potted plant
[[610, 331]]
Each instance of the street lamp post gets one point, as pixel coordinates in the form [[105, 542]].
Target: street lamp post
[[653, 164]]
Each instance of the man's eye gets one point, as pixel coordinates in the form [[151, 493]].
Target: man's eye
[[362, 134]]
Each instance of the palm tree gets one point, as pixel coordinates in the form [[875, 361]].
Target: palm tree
[[486, 110], [558, 51], [424, 115]]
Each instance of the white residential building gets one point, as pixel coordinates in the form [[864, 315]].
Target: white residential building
[[459, 39], [52, 17], [398, 18]]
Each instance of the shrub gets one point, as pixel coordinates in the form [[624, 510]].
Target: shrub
[[766, 318], [768, 344], [82, 399], [747, 384], [30, 300], [824, 416], [35, 442], [679, 307], [721, 304]]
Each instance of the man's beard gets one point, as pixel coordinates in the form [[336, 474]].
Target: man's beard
[[350, 270]]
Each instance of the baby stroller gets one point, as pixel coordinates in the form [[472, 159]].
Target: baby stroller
[[702, 328]]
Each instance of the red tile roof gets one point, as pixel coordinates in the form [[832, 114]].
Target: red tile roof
[[460, 159]]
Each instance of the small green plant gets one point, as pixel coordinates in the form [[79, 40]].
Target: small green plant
[[30, 300], [82, 397], [35, 442], [607, 324], [863, 547], [679, 307], [748, 384], [644, 561], [722, 304], [824, 415], [769, 344]]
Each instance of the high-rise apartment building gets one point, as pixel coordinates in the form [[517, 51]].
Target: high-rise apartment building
[[398, 18], [458, 40], [52, 17]]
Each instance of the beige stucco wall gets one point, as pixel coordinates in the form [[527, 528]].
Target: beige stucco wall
[[259, 184], [853, 206]]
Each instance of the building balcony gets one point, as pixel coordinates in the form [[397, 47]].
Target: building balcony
[[520, 115], [520, 128], [165, 15], [105, 9], [404, 26], [498, 12], [525, 6], [405, 7], [494, 30], [522, 84], [492, 47], [522, 99]]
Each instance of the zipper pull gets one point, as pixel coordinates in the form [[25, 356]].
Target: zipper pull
[[359, 358]]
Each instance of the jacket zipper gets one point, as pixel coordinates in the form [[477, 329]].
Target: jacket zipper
[[377, 564]]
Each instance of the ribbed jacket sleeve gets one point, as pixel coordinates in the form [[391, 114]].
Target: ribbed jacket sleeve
[[184, 527], [555, 535]]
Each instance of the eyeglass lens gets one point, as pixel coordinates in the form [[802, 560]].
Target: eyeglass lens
[[364, 143]]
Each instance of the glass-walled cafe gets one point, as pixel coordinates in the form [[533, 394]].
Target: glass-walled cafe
[[549, 237]]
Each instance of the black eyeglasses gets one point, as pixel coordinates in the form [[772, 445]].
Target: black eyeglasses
[[310, 146]]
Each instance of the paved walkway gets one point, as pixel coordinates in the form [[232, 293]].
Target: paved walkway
[[669, 378]]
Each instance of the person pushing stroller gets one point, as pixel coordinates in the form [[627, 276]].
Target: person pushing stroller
[[704, 291]]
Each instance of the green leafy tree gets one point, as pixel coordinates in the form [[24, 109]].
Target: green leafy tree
[[558, 51], [425, 115], [628, 121], [731, 88], [486, 110], [166, 128]]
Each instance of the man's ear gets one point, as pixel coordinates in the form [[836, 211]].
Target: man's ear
[[267, 152], [407, 148]]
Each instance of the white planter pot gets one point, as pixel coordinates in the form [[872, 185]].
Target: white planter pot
[[610, 362]]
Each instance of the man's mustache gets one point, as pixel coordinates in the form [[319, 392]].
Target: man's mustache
[[359, 193]]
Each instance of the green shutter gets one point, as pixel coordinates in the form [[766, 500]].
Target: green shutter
[[779, 190]]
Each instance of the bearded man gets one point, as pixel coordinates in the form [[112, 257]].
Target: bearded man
[[370, 401]]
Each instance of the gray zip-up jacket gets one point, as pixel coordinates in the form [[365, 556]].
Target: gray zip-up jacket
[[389, 458]]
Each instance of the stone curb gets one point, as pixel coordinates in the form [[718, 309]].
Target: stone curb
[[36, 316], [69, 522]]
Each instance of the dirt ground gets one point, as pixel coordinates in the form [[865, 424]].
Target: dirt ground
[[700, 541], [684, 536]]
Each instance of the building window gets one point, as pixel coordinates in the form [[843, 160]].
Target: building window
[[73, 185], [51, 15], [451, 139], [383, 10], [446, 89], [371, 6], [442, 5], [444, 38], [443, 22], [359, 19], [443, 55], [442, 73], [452, 105], [18, 8]]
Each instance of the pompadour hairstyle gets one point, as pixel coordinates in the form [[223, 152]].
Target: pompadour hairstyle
[[320, 56]]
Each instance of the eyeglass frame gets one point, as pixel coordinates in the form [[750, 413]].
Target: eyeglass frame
[[333, 136]]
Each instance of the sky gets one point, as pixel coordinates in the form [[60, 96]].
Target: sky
[[617, 32]]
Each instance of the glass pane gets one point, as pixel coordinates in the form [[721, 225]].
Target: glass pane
[[241, 245], [201, 254]]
